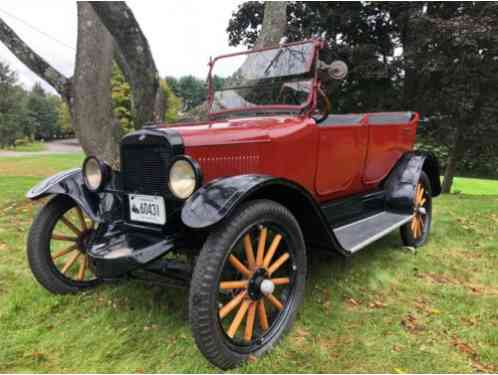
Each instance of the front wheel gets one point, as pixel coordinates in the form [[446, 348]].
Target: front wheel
[[247, 284], [57, 244]]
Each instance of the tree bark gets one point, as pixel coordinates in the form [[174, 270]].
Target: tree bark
[[274, 24], [456, 154], [92, 112], [35, 62], [137, 63]]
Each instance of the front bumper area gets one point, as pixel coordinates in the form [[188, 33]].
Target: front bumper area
[[119, 252]]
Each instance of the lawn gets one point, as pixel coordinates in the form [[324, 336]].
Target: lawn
[[388, 309]]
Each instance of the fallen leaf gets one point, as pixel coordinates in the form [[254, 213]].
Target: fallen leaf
[[353, 302], [484, 368], [376, 305]]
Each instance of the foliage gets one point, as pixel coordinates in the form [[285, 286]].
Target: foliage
[[173, 103], [388, 310], [26, 116], [193, 91], [122, 100], [11, 108]]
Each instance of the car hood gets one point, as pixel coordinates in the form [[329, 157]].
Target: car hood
[[228, 131]]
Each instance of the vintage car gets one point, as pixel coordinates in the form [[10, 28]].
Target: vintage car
[[233, 207]]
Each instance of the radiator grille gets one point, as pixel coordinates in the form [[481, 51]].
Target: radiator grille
[[145, 168]]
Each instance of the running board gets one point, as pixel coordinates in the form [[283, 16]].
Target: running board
[[359, 234]]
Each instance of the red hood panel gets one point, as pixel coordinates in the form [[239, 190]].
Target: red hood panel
[[246, 130]]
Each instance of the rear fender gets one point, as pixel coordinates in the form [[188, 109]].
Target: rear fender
[[400, 184], [216, 200], [96, 205]]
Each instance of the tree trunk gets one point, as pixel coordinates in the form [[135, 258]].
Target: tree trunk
[[456, 154], [92, 112], [274, 24], [137, 63]]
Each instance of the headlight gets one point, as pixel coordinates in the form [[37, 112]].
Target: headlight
[[95, 173], [184, 177]]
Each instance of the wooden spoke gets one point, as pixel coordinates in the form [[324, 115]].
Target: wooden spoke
[[82, 218], [412, 225], [60, 237], [238, 318], [422, 202], [251, 315], [263, 319], [82, 270], [68, 250], [237, 264], [70, 262], [225, 310], [275, 266], [422, 192], [249, 251], [261, 246], [281, 281], [416, 193], [271, 251], [420, 223], [234, 284], [71, 226], [275, 302]]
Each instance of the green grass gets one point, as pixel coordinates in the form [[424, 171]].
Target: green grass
[[475, 186], [387, 310], [30, 147]]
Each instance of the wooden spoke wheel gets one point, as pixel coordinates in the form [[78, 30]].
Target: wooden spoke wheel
[[248, 283], [255, 284], [59, 239], [415, 233]]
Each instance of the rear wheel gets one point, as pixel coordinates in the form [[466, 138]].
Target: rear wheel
[[248, 283], [416, 232], [57, 244]]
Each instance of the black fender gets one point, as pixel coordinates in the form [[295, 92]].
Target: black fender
[[97, 206], [214, 201], [400, 184]]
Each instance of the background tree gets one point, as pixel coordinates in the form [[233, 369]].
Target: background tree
[[10, 106], [405, 55]]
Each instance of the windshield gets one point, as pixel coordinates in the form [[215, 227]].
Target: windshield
[[273, 77]]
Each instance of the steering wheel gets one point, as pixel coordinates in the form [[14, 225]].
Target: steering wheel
[[287, 92], [319, 115]]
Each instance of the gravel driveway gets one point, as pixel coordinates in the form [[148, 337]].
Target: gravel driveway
[[61, 146]]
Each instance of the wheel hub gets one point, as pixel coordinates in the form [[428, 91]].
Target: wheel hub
[[260, 285]]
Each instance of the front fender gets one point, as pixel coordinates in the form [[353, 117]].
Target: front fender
[[69, 183], [213, 201], [400, 184]]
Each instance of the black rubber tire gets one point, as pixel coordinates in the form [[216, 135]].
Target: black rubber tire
[[406, 233], [203, 310], [38, 249]]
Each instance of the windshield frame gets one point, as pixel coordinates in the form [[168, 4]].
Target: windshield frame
[[267, 107]]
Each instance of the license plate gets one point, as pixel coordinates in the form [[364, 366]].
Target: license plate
[[147, 209]]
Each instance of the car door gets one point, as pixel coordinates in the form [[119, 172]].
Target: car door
[[342, 150], [390, 135]]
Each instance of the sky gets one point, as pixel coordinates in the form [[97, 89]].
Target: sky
[[182, 34]]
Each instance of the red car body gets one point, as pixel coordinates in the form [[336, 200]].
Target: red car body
[[341, 159]]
